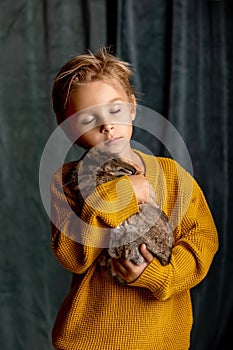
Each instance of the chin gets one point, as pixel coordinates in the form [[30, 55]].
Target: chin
[[116, 149]]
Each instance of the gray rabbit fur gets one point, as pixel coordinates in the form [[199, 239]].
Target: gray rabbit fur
[[150, 226]]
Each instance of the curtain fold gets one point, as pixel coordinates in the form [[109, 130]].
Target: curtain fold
[[36, 38], [182, 54]]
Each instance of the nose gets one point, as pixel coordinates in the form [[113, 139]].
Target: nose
[[106, 128]]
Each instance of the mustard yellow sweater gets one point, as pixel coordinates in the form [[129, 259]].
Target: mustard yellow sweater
[[154, 312]]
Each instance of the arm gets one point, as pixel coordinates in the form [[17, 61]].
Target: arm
[[104, 208], [196, 244]]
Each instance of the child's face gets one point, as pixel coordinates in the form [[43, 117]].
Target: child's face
[[98, 104]]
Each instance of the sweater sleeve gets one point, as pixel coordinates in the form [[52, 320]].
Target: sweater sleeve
[[80, 230], [196, 242]]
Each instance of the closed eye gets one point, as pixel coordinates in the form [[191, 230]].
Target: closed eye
[[115, 109], [87, 120], [114, 112]]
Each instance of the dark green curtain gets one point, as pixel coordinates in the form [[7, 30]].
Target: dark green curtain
[[36, 38], [182, 54]]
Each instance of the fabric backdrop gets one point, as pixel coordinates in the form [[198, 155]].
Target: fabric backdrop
[[182, 54]]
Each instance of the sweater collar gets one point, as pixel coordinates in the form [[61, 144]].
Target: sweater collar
[[151, 165]]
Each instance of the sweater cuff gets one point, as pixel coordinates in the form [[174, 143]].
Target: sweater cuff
[[155, 277]]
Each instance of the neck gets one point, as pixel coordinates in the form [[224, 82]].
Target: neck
[[130, 155]]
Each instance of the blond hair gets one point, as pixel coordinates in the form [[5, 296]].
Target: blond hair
[[85, 68]]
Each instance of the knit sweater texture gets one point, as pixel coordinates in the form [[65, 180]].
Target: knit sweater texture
[[155, 311]]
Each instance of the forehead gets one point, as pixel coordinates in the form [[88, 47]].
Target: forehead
[[95, 93]]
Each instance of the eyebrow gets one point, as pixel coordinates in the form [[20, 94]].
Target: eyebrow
[[89, 108], [116, 99]]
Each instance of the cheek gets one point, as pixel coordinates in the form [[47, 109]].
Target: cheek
[[88, 139], [128, 130]]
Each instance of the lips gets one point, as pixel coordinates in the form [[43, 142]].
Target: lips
[[113, 140]]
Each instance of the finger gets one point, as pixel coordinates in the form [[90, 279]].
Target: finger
[[119, 269], [146, 253], [119, 265], [152, 202], [152, 198], [128, 265]]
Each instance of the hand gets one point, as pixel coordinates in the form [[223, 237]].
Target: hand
[[141, 187], [143, 190], [129, 271], [152, 198]]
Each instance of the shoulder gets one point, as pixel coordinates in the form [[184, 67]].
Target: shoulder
[[168, 166], [181, 179], [168, 172], [172, 167]]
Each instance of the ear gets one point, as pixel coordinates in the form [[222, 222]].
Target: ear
[[134, 106]]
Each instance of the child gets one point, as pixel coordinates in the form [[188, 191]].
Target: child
[[152, 310]]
